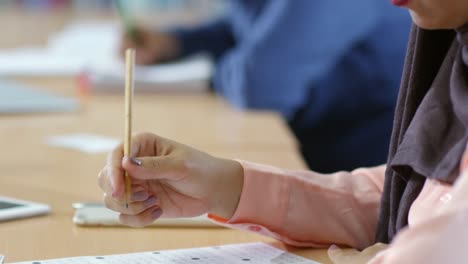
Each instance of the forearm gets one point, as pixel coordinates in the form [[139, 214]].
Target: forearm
[[304, 208]]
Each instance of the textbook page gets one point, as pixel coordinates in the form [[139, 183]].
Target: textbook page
[[253, 253]]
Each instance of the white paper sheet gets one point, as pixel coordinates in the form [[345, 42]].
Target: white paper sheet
[[189, 75], [92, 48], [84, 142], [253, 253], [38, 62]]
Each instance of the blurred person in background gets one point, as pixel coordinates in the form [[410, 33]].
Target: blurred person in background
[[331, 68]]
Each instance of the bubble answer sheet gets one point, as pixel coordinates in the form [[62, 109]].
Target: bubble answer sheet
[[253, 253]]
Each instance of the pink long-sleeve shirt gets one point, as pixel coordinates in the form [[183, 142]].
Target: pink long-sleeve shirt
[[308, 209]]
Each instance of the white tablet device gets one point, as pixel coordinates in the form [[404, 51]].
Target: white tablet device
[[95, 214], [11, 208]]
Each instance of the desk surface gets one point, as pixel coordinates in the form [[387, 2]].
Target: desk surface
[[34, 171]]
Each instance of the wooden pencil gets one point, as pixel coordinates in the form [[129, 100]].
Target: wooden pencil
[[129, 83]]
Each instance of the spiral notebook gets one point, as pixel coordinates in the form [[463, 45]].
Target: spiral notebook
[[253, 253]]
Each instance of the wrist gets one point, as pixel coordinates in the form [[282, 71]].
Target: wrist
[[229, 189]]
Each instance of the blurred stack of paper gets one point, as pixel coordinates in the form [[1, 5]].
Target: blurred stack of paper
[[37, 62], [192, 75], [16, 98], [85, 142], [91, 48]]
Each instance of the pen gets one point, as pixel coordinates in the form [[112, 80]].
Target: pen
[[129, 24], [1, 259], [129, 83]]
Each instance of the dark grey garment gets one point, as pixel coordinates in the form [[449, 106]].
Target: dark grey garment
[[430, 130]]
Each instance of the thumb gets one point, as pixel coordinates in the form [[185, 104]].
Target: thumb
[[340, 256], [154, 168]]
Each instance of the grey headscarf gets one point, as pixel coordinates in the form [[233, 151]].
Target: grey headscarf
[[431, 122]]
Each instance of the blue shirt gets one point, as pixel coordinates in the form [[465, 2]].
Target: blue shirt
[[331, 68]]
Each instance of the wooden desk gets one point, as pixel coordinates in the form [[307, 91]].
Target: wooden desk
[[34, 171]]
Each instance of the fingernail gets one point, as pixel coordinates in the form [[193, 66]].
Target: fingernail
[[140, 196], [333, 247], [135, 161], [150, 202], [156, 213]]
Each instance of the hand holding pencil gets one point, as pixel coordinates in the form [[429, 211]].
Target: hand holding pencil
[[150, 176], [151, 47], [169, 180]]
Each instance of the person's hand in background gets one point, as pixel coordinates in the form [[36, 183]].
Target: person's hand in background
[[151, 47], [169, 180]]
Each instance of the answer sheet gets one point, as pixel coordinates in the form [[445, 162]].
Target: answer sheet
[[254, 253]]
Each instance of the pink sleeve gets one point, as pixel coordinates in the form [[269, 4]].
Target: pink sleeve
[[303, 208]]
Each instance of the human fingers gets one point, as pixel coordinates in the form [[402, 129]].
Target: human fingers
[[103, 182], [142, 219], [156, 168], [125, 43], [342, 256], [106, 187], [134, 207], [139, 38], [144, 46], [114, 172]]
